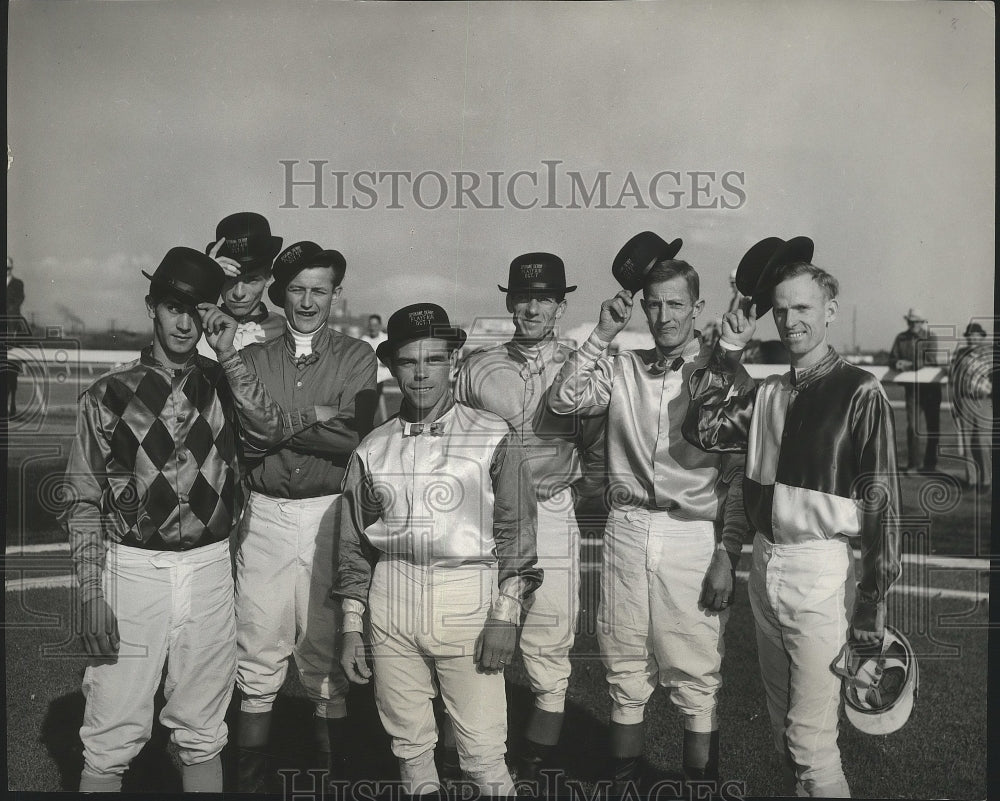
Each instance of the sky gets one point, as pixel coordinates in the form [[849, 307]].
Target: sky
[[867, 126]]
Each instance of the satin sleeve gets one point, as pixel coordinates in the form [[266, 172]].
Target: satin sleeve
[[722, 403], [514, 521], [583, 384], [356, 556], [86, 485], [262, 421], [877, 494]]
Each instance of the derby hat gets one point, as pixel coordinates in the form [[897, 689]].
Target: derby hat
[[637, 257], [418, 321], [248, 241], [974, 328], [537, 272], [761, 265], [190, 275], [298, 257]]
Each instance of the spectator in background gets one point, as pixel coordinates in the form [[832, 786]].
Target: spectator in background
[[971, 380], [16, 326], [912, 349], [375, 336]]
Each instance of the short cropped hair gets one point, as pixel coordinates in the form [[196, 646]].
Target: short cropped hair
[[375, 317], [829, 284], [667, 269]]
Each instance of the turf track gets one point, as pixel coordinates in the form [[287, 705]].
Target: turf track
[[939, 754]]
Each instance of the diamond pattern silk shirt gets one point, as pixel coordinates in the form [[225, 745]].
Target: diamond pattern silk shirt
[[155, 461]]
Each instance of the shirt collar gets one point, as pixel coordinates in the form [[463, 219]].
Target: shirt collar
[[258, 315], [442, 418], [147, 358], [541, 351], [658, 364], [804, 377], [320, 340]]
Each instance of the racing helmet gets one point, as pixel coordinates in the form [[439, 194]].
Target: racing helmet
[[880, 683]]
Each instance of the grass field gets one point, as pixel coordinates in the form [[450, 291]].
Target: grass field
[[941, 753]]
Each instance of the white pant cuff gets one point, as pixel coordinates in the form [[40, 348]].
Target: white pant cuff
[[627, 715], [332, 709], [419, 774], [256, 705], [548, 702], [702, 723]]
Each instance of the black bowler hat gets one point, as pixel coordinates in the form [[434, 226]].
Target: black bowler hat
[[248, 241], [418, 321], [537, 272], [758, 271], [190, 275], [637, 257], [298, 257]]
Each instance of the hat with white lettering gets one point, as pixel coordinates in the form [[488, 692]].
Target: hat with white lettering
[[537, 272], [637, 257], [248, 242], [418, 321], [298, 257]]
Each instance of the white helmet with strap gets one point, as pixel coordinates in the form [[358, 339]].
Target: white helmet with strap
[[880, 683]]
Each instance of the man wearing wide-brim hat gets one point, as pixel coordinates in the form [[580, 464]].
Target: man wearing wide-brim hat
[[511, 380], [912, 349], [820, 472], [676, 522], [154, 491], [245, 248], [325, 382], [438, 550]]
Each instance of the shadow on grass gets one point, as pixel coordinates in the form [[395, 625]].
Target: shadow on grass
[[152, 770]]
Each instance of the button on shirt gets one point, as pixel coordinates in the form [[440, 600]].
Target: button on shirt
[[650, 464], [339, 373]]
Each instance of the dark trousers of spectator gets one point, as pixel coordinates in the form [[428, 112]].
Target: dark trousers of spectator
[[975, 425], [925, 400]]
